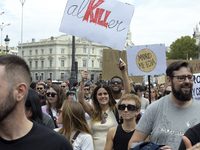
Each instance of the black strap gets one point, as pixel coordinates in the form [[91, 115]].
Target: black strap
[[119, 121], [54, 118], [75, 136]]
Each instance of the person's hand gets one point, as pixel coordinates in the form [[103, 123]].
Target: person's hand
[[188, 144], [122, 64], [84, 74], [166, 147], [130, 81]]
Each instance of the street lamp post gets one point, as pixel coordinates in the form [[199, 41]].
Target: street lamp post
[[7, 43], [1, 27], [22, 2]]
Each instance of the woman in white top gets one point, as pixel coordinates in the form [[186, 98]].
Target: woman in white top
[[75, 126], [103, 111]]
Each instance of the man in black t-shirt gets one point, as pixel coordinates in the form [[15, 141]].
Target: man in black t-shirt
[[16, 131]]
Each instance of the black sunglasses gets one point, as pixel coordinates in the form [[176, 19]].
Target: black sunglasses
[[39, 88], [63, 86], [167, 92], [129, 107], [86, 89], [105, 115], [52, 94], [118, 82]]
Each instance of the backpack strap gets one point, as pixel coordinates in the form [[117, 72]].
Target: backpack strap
[[75, 136], [54, 118], [119, 121]]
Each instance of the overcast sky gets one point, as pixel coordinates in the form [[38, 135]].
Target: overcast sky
[[153, 22]]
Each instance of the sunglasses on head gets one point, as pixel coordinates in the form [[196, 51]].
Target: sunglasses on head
[[129, 107], [39, 88], [52, 94], [118, 82], [105, 115]]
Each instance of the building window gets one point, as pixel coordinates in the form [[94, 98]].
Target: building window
[[36, 76], [84, 50], [100, 64], [101, 53], [42, 51], [62, 51], [62, 63], [50, 75], [30, 52], [30, 64], [36, 64], [42, 63], [36, 52], [50, 63], [92, 63], [93, 50], [42, 77], [84, 63], [50, 51]]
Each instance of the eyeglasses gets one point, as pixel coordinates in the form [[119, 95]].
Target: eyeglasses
[[105, 115], [118, 82], [182, 78], [52, 94], [86, 89], [63, 86], [39, 88], [60, 111], [129, 107]]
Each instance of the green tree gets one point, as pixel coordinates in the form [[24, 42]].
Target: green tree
[[182, 48]]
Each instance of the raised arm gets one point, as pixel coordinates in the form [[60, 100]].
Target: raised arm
[[86, 106], [127, 88]]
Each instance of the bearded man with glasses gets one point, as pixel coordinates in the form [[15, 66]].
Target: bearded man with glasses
[[41, 89], [167, 119]]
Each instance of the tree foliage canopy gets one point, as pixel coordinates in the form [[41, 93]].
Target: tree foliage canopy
[[182, 48]]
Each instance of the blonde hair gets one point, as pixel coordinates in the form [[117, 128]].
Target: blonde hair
[[73, 118], [133, 97]]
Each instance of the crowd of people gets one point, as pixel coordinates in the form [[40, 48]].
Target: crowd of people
[[114, 115]]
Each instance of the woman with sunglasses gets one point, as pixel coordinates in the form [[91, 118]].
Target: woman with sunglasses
[[154, 95], [103, 111], [75, 126], [55, 98], [119, 136]]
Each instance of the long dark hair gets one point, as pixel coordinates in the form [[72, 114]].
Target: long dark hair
[[98, 114], [33, 102]]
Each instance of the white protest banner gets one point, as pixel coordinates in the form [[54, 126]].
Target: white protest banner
[[196, 87], [104, 22], [146, 60]]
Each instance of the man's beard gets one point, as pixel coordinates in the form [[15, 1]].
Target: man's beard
[[7, 106], [116, 91], [180, 95]]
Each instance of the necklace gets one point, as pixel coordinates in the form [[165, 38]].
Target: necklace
[[128, 131]]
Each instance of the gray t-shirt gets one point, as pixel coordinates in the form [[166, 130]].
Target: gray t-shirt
[[167, 123]]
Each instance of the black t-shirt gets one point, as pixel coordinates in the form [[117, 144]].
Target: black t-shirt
[[38, 138], [193, 134]]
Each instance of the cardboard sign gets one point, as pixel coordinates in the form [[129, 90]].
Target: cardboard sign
[[109, 65], [104, 22], [146, 60], [196, 87]]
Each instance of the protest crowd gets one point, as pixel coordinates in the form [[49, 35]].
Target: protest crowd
[[106, 115]]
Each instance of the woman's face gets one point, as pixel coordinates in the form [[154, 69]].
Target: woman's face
[[129, 114], [102, 96], [52, 97], [153, 94]]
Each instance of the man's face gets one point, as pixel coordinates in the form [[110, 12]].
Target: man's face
[[40, 89], [162, 88], [182, 90], [70, 96], [7, 101], [116, 85], [139, 93], [86, 91], [64, 86], [49, 83]]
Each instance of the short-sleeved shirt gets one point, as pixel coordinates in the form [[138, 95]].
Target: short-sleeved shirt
[[167, 123]]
